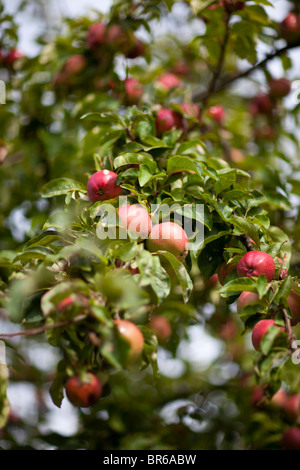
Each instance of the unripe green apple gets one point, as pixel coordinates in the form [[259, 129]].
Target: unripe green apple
[[168, 236], [256, 263], [84, 391]]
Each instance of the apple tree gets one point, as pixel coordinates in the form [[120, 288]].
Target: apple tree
[[149, 190]]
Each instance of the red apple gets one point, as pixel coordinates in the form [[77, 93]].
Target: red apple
[[68, 301], [224, 270], [181, 68], [191, 109], [168, 119], [75, 64], [280, 87], [228, 330], [116, 37], [291, 407], [217, 113], [255, 263], [167, 81], [294, 305], [168, 236], [84, 391], [161, 328], [133, 335], [279, 398], [290, 27], [96, 35], [102, 186], [137, 49], [260, 329], [213, 281], [247, 298], [261, 104], [291, 439], [13, 56], [133, 90], [136, 219]]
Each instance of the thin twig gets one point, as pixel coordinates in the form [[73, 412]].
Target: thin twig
[[203, 96], [41, 329]]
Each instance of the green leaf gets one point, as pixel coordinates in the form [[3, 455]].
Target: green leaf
[[60, 186], [181, 274]]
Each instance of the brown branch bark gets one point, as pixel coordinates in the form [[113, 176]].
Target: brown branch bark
[[204, 96], [41, 329]]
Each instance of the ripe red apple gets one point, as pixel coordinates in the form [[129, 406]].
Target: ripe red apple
[[261, 104], [233, 5], [68, 301], [137, 49], [258, 398], [290, 27], [280, 87], [217, 113], [133, 90], [168, 119], [13, 56], [161, 328], [75, 64], [294, 305], [167, 81], [224, 270], [136, 218], [131, 333], [255, 263], [168, 236], [247, 298], [116, 36], [181, 68], [191, 109], [96, 35], [102, 186], [291, 439], [228, 330], [260, 329], [279, 398], [291, 406], [213, 281], [84, 391]]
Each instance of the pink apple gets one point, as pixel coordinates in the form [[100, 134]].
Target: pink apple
[[217, 113], [133, 90], [247, 298], [102, 186], [255, 263], [136, 219], [168, 236], [290, 27], [96, 35], [167, 81], [168, 119], [161, 327], [75, 64], [294, 305], [191, 109]]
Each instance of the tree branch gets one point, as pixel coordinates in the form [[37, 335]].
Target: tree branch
[[41, 329], [204, 96]]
